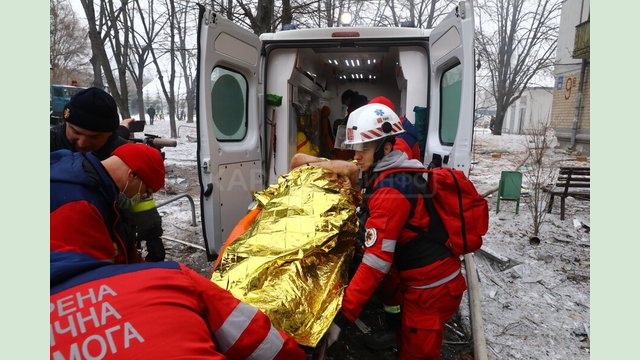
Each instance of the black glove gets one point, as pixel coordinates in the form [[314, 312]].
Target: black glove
[[339, 322]]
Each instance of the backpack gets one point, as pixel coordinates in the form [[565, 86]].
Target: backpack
[[453, 200]]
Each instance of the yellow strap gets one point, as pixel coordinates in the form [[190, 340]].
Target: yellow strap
[[143, 206], [392, 309]]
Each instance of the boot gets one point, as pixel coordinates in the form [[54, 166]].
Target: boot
[[387, 337], [155, 250]]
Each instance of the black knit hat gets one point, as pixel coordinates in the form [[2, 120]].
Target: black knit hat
[[92, 109]]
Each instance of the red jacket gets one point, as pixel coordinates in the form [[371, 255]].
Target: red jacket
[[407, 142], [153, 311], [83, 209], [389, 210]]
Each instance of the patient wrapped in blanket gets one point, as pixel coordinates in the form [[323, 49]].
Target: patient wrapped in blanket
[[290, 255]]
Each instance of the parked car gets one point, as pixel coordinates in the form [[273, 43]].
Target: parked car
[[60, 96]]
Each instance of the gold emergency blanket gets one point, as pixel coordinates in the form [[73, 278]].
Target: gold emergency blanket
[[292, 261]]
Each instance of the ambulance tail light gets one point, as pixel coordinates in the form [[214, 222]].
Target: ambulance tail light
[[345, 34]]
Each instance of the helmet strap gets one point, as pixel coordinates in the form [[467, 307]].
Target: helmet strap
[[379, 153]]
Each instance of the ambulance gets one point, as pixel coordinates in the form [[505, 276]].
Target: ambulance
[[257, 94]]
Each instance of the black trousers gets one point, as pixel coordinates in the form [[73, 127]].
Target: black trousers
[[148, 228]]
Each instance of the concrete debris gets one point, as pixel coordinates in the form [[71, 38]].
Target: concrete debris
[[546, 284], [577, 224], [502, 261]]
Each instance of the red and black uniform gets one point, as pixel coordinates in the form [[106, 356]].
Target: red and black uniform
[[406, 142], [164, 310], [83, 206], [430, 281]]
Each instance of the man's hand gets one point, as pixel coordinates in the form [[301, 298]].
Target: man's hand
[[127, 122], [332, 334]]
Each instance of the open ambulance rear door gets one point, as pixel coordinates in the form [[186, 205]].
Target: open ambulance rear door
[[229, 126], [452, 88]]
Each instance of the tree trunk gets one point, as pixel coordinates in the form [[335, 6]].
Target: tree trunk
[[501, 111], [412, 11], [97, 70], [329, 9], [97, 45], [140, 101], [171, 100], [120, 52], [264, 16], [230, 10], [191, 101], [287, 15], [185, 56], [432, 13]]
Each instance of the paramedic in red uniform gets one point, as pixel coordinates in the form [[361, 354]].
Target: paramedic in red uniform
[[430, 279], [103, 309], [389, 288], [160, 310]]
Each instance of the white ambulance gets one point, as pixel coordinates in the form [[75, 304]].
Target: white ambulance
[[257, 94]]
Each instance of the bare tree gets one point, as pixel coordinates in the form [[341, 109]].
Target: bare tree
[[119, 40], [516, 40], [428, 13], [95, 28], [287, 12], [539, 173], [68, 45], [158, 49], [141, 46], [394, 16], [168, 88], [114, 22], [187, 56], [424, 14], [261, 18], [330, 16]]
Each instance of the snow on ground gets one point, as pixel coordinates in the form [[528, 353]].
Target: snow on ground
[[181, 178], [534, 296], [536, 305]]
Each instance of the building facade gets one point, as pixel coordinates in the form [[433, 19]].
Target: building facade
[[530, 113], [570, 114]]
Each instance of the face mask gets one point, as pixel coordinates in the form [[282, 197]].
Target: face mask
[[125, 202]]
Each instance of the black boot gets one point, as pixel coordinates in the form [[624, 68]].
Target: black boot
[[155, 250], [387, 337]]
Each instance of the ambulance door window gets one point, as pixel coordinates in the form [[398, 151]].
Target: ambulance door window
[[450, 97], [228, 104]]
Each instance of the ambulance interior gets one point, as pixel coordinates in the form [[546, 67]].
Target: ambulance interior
[[311, 82]]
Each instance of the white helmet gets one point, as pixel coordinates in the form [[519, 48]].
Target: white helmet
[[371, 122]]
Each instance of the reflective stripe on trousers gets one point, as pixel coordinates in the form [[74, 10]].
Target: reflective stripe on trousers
[[392, 309], [439, 282]]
